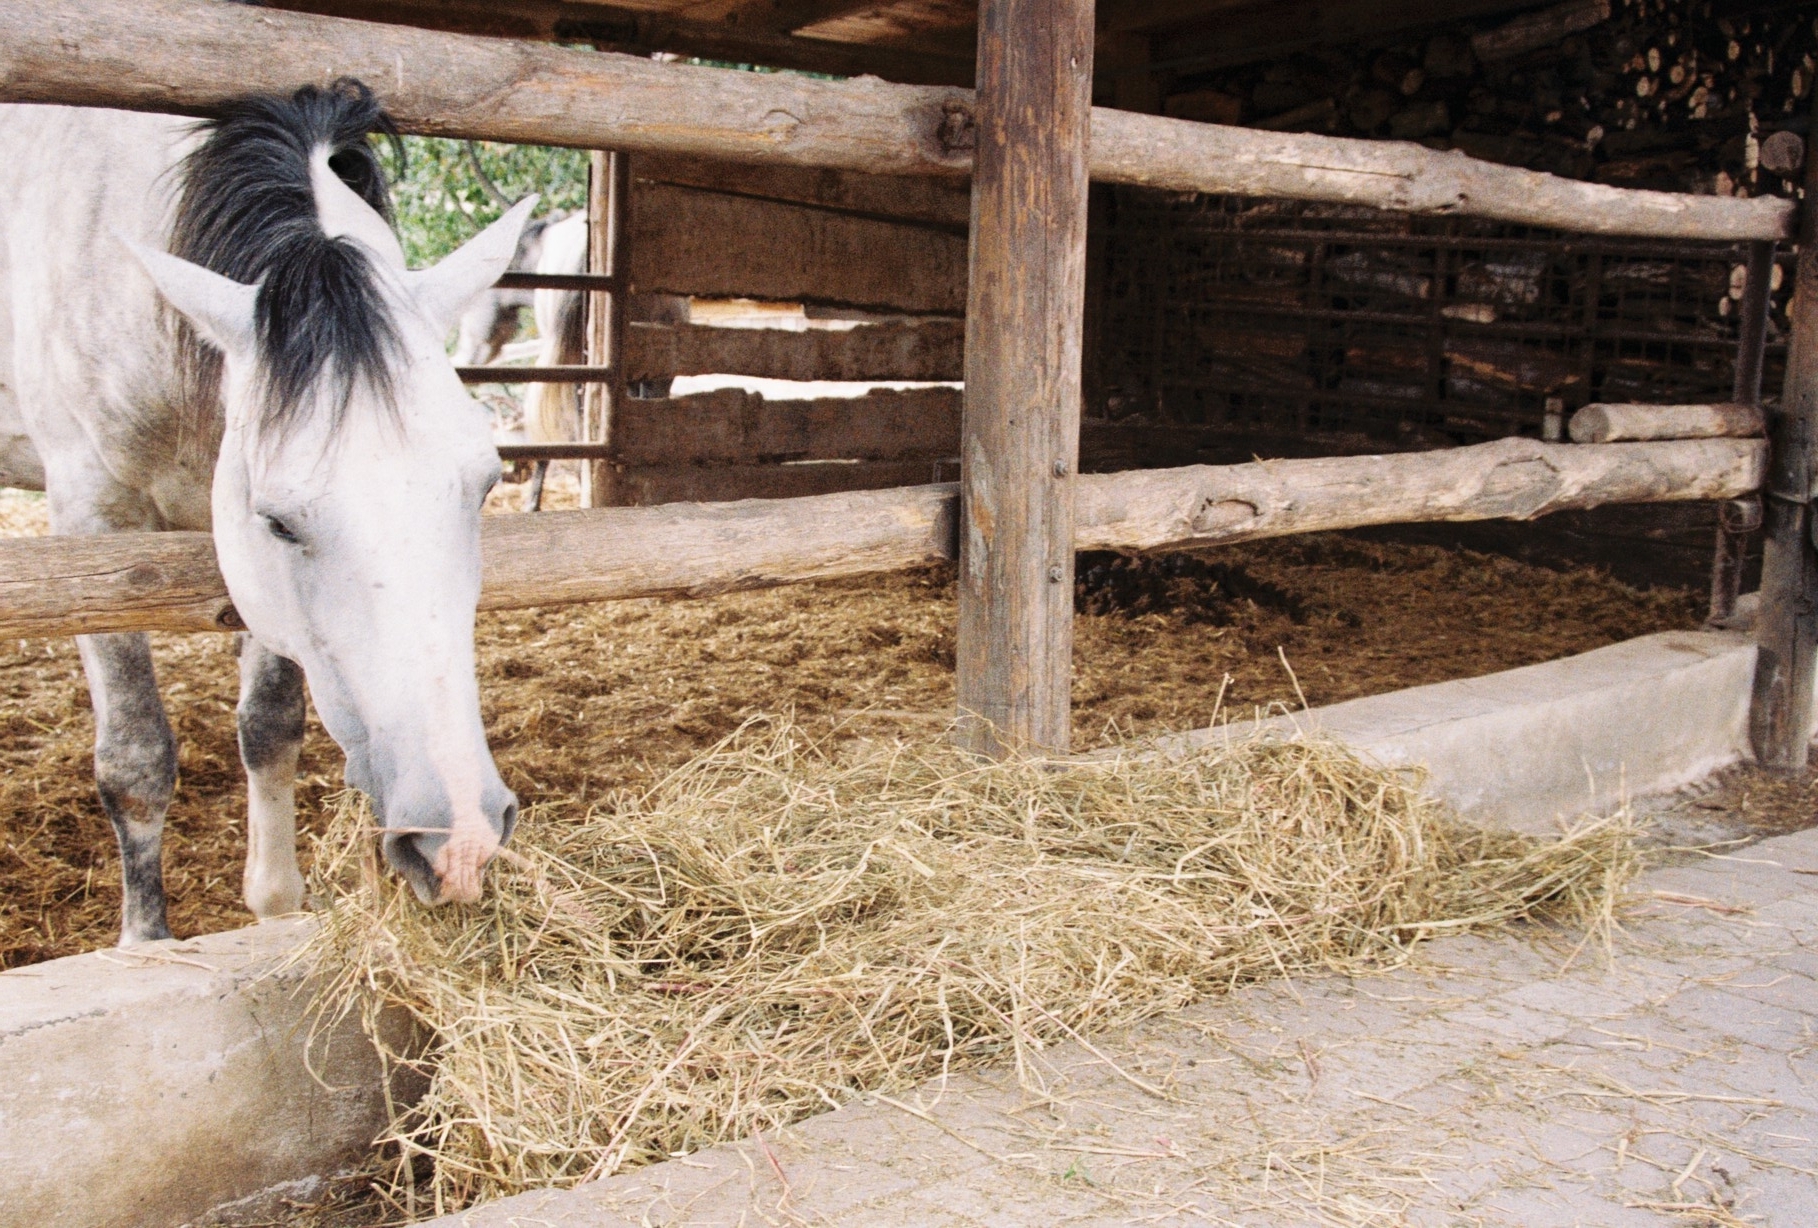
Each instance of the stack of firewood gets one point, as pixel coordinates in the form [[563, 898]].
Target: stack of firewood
[[1681, 95]]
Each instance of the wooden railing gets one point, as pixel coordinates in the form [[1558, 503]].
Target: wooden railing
[[189, 56], [169, 581]]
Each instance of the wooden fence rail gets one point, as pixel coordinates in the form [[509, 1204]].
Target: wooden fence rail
[[169, 582], [188, 56]]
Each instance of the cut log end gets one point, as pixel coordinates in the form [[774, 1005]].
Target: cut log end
[[1637, 423]]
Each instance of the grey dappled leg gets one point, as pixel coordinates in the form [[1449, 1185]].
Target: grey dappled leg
[[271, 735], [135, 771]]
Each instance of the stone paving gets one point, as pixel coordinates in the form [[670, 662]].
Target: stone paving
[[1669, 1080]]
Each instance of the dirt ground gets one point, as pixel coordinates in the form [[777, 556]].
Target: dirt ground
[[583, 700]]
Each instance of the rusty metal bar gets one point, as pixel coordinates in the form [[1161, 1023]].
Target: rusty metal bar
[[553, 451], [535, 375], [557, 281]]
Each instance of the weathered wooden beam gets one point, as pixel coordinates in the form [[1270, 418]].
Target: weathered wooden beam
[[1532, 31], [557, 281], [1786, 629], [1738, 520], [930, 350], [731, 426], [1600, 423], [719, 245], [934, 202], [553, 451], [188, 56], [1406, 178], [1516, 479], [788, 16], [1247, 23], [637, 29], [650, 485], [120, 582], [607, 320], [169, 581], [696, 549], [1019, 440], [52, 586]]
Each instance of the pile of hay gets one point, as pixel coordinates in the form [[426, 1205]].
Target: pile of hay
[[780, 925]]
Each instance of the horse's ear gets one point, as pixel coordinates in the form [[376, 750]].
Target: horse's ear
[[219, 307], [443, 292]]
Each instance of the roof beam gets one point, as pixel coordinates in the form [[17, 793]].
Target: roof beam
[[789, 16], [640, 32], [1246, 31]]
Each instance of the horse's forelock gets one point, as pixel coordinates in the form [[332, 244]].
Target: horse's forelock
[[247, 210], [322, 314]]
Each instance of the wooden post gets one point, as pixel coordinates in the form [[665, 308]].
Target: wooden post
[[608, 210], [1780, 718], [1019, 447], [1099, 209], [1739, 519]]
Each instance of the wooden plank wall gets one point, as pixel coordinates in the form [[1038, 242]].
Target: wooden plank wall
[[713, 244], [730, 445], [815, 236], [872, 246], [929, 350]]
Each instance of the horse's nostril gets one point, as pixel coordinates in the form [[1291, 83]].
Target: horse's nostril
[[508, 822], [406, 855]]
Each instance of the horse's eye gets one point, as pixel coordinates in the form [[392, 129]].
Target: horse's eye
[[280, 530]]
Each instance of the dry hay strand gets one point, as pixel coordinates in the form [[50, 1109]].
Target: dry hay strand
[[23, 513], [781, 925]]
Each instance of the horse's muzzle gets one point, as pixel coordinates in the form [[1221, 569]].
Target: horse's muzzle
[[448, 866]]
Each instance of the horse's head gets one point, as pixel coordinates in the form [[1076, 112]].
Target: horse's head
[[347, 499]]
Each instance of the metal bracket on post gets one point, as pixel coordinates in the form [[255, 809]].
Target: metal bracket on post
[[1738, 520]]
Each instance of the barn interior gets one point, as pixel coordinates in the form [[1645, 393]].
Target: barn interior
[[1222, 328], [1218, 329]]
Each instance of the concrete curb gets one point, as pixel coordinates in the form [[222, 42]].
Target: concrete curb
[[152, 1086], [1527, 748]]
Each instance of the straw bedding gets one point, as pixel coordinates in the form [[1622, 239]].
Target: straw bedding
[[585, 699], [784, 922]]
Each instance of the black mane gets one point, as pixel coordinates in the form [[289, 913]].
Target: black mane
[[245, 209]]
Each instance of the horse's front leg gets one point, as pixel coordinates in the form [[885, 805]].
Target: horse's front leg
[[271, 736], [135, 770]]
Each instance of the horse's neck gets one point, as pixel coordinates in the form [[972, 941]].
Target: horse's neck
[[94, 370]]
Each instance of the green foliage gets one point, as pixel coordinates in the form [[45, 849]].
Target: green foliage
[[440, 203], [698, 62]]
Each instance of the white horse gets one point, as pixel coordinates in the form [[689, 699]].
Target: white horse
[[303, 408], [491, 320], [556, 244]]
